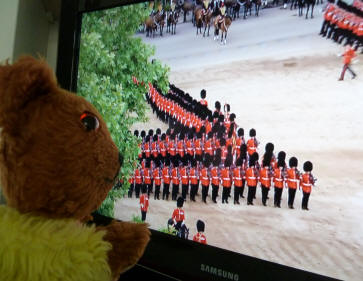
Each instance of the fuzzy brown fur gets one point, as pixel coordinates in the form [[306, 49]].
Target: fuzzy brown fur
[[49, 164]]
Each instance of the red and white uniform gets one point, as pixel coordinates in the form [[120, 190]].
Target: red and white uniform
[[252, 176], [278, 178], [200, 238], [306, 182], [292, 178], [178, 215], [144, 202]]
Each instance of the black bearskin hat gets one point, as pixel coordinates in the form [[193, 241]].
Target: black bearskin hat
[[269, 147], [252, 133], [200, 226], [232, 117], [180, 202], [228, 161], [293, 162], [266, 159], [239, 161], [203, 94], [194, 162], [253, 159], [243, 150], [163, 136], [155, 138], [281, 155], [147, 138], [216, 161], [308, 166], [227, 107], [221, 118], [143, 134], [210, 118], [210, 135], [151, 132], [207, 161], [181, 136], [215, 115], [240, 132], [167, 162], [281, 163], [217, 105], [222, 142], [158, 131], [136, 133]]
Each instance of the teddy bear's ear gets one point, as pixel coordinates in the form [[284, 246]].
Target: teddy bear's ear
[[20, 83]]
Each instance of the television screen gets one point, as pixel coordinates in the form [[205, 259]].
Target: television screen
[[246, 123]]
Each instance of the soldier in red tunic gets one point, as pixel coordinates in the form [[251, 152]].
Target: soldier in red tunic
[[184, 175], [292, 179], [307, 181], [238, 180], [215, 177], [194, 180], [178, 216], [252, 143], [157, 176], [144, 203], [205, 178], [200, 237], [252, 178], [226, 176], [279, 178], [166, 179], [265, 177]]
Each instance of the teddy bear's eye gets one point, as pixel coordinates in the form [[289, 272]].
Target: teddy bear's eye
[[89, 121]]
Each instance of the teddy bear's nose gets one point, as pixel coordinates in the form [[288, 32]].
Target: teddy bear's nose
[[120, 158]]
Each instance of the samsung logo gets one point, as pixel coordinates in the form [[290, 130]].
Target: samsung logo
[[219, 272]]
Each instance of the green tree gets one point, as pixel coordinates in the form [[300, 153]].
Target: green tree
[[110, 54]]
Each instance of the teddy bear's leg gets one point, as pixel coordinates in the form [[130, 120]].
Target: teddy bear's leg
[[128, 241]]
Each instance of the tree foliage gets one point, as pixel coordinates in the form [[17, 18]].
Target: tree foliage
[[110, 54]]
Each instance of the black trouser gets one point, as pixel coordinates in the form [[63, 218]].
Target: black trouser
[[166, 191], [214, 192], [149, 188], [193, 191], [305, 200], [251, 194], [131, 190], [324, 28], [331, 30], [225, 193], [143, 215], [137, 189], [157, 192], [237, 193], [205, 190], [185, 190], [264, 191], [175, 191], [292, 192], [277, 197], [345, 67]]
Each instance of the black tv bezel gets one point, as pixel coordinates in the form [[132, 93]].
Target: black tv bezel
[[166, 257]]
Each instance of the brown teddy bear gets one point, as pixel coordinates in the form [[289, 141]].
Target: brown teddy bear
[[57, 164]]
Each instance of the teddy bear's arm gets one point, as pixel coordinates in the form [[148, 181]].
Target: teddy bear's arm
[[128, 242]]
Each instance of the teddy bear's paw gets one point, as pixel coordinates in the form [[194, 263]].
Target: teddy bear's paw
[[128, 241]]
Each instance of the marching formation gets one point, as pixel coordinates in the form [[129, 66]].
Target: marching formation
[[344, 23], [207, 150]]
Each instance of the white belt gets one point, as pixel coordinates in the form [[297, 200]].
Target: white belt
[[238, 178], [184, 177], [277, 179], [307, 184], [266, 179], [226, 179], [293, 180], [252, 178], [205, 178]]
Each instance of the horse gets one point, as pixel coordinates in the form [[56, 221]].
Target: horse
[[198, 19], [172, 21], [248, 7], [150, 26], [206, 21], [224, 28], [300, 5], [308, 4], [235, 10], [160, 21], [186, 6], [257, 6]]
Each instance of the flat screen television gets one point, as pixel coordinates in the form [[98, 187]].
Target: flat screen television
[[276, 75]]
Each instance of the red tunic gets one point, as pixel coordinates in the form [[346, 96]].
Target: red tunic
[[178, 215], [200, 238], [144, 202]]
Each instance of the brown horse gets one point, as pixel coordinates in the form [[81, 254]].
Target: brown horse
[[198, 19], [187, 6], [160, 21], [223, 26], [172, 21], [150, 26], [207, 21]]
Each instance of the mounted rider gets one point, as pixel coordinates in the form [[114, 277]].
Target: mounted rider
[[222, 10], [206, 8]]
